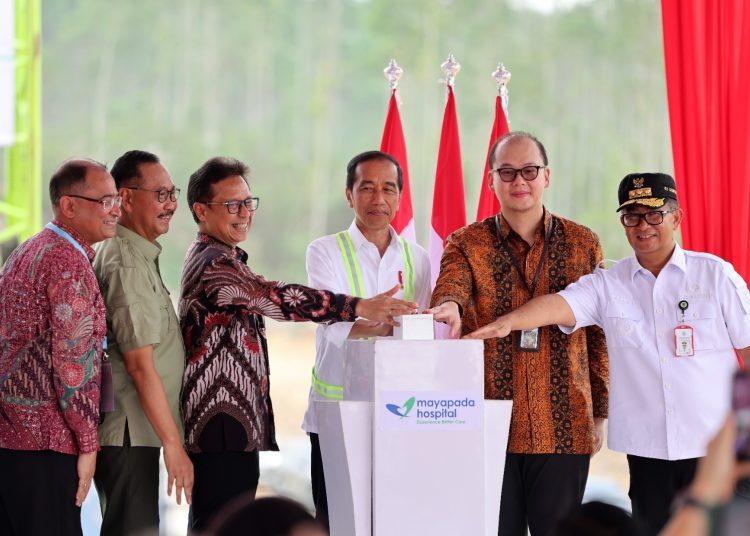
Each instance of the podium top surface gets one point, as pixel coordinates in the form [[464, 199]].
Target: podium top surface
[[386, 364]]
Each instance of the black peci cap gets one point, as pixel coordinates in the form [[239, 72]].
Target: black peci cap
[[647, 189]]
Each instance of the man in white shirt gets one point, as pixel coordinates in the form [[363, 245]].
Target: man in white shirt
[[365, 260], [673, 320]]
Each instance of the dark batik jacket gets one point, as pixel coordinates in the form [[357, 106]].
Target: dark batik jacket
[[226, 400]]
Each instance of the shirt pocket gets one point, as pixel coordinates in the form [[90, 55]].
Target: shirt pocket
[[703, 317], [624, 324]]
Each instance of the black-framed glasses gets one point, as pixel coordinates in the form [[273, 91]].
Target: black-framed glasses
[[107, 201], [508, 174], [161, 194], [233, 206], [652, 217]]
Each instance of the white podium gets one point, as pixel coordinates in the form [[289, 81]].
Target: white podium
[[413, 448]]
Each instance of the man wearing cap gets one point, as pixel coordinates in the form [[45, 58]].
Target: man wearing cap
[[673, 320], [364, 260]]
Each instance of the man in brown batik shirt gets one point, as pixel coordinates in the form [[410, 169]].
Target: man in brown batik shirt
[[558, 383]]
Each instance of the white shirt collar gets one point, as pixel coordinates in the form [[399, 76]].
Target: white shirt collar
[[677, 259], [359, 240]]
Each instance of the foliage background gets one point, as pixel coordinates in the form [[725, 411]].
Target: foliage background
[[295, 88]]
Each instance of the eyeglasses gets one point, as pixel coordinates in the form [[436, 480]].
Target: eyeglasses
[[107, 202], [161, 194], [653, 217], [233, 207], [508, 174]]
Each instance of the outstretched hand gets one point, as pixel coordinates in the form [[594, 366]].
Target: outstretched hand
[[499, 328], [448, 313], [383, 307]]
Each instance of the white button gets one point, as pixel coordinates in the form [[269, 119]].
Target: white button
[[663, 359], [667, 386], [669, 411], [659, 311]]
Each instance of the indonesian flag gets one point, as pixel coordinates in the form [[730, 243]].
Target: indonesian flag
[[488, 203], [448, 203], [393, 143]]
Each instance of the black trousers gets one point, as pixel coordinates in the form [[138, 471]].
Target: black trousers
[[220, 477], [654, 484], [318, 481], [539, 490], [127, 481], [37, 493]]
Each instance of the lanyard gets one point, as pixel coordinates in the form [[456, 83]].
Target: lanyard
[[73, 242], [515, 261], [64, 234]]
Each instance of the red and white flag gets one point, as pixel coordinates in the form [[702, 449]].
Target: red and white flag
[[488, 203], [448, 202], [394, 144]]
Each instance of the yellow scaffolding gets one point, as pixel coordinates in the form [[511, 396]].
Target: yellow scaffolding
[[22, 205]]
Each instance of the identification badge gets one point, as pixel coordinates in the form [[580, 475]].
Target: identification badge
[[683, 341], [106, 388], [529, 340]]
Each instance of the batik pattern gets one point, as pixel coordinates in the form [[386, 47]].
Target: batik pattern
[[558, 390], [221, 310]]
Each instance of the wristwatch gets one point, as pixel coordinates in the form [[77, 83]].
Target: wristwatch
[[712, 511]]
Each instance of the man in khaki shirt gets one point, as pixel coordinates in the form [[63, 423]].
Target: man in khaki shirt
[[146, 352]]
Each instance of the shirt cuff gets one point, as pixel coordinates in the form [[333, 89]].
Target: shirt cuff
[[573, 304], [145, 339], [88, 442]]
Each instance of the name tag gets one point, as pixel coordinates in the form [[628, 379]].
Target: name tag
[[683, 341], [529, 340]]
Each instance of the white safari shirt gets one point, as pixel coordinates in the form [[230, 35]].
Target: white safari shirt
[[327, 270], [662, 406]]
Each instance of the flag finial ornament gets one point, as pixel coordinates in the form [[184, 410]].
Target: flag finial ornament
[[393, 73], [502, 77], [450, 67]]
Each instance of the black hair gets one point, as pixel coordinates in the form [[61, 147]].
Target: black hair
[[597, 519], [212, 171], [267, 516], [126, 168], [351, 167], [512, 135], [69, 177]]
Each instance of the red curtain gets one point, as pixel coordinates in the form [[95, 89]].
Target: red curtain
[[707, 60]]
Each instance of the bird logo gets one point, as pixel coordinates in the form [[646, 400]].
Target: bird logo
[[401, 411]]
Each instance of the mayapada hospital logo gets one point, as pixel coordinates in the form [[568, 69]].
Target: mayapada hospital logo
[[402, 411], [434, 409]]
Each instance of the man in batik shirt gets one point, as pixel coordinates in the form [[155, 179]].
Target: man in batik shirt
[[558, 383], [52, 331], [225, 398]]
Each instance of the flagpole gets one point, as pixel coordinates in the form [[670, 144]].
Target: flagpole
[[502, 77], [394, 144], [448, 201], [488, 204], [450, 68], [393, 73]]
